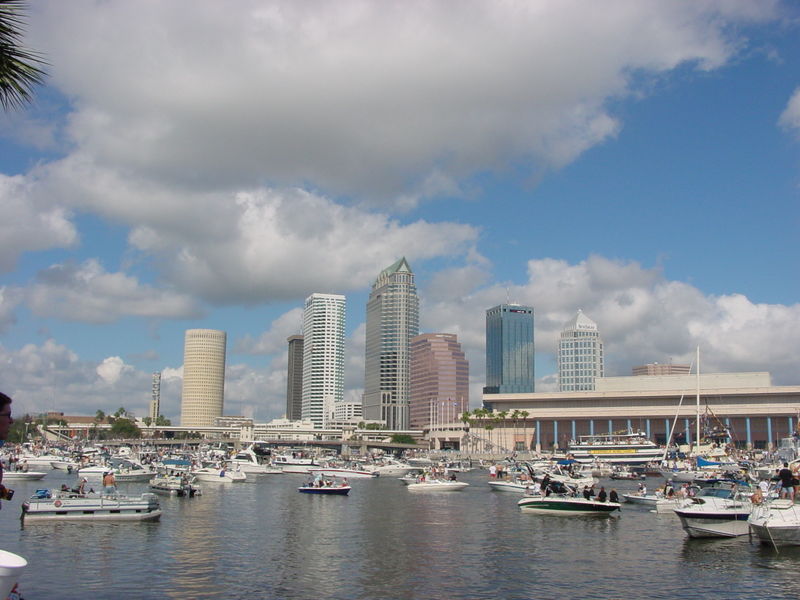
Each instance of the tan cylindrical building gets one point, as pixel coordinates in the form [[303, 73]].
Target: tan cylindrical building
[[203, 377]]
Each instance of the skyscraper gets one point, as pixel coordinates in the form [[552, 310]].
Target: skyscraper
[[323, 357], [509, 350], [439, 389], [203, 391], [580, 354], [392, 320], [294, 378]]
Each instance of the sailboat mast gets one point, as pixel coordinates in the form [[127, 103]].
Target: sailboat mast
[[698, 399]]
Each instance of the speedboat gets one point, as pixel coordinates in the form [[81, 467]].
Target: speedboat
[[392, 468], [219, 475], [175, 479], [563, 504], [646, 499], [326, 489], [516, 485], [53, 505], [776, 522], [125, 471], [437, 485], [715, 512], [22, 475]]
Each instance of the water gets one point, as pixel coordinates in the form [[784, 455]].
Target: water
[[265, 540]]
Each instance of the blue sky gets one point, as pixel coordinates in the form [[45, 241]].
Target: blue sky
[[637, 160]]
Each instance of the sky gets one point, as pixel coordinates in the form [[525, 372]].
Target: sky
[[198, 164]]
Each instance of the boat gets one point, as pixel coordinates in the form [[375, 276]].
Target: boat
[[565, 504], [615, 448], [391, 468], [325, 488], [54, 505], [219, 475], [646, 499], [344, 471], [776, 522], [23, 475], [248, 461], [65, 465], [719, 511], [292, 463], [175, 479], [125, 471], [437, 485], [516, 485], [624, 473]]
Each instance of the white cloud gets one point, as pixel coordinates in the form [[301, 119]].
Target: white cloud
[[30, 222], [111, 369], [88, 293], [790, 117], [374, 101]]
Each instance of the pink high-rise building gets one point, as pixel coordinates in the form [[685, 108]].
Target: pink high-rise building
[[439, 390]]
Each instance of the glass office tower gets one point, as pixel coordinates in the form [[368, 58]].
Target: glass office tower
[[509, 350]]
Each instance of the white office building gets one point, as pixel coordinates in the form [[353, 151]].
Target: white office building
[[580, 355], [323, 357]]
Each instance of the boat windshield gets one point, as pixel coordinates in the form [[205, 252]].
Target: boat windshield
[[716, 493]]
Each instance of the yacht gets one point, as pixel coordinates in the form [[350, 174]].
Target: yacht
[[248, 461], [625, 448], [293, 463]]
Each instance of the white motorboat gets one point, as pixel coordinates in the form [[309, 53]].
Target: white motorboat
[[248, 461], [289, 463], [219, 475], [350, 472], [517, 486], [646, 499], [23, 475], [437, 485], [52, 505], [715, 512], [65, 465], [40, 461], [776, 522], [124, 472], [391, 468], [563, 504]]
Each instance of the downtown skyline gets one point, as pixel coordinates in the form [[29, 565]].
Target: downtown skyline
[[639, 161]]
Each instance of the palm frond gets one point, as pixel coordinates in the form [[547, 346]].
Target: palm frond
[[20, 69]]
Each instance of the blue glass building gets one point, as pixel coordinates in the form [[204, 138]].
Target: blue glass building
[[509, 350]]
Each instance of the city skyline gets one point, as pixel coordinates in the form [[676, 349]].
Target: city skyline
[[637, 160]]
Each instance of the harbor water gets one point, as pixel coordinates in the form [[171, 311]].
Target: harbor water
[[262, 539]]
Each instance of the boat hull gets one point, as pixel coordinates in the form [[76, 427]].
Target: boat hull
[[709, 526], [22, 476], [427, 486], [777, 523], [567, 506], [325, 491], [349, 473]]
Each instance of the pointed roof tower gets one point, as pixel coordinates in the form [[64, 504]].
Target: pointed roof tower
[[580, 322]]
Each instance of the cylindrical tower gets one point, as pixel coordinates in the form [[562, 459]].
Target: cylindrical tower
[[203, 390]]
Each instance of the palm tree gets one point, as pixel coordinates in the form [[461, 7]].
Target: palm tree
[[501, 417], [524, 414], [20, 69], [515, 418]]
